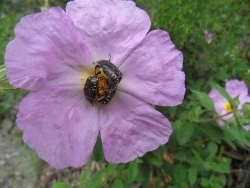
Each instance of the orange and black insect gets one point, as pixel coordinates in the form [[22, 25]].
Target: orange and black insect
[[102, 87], [113, 74]]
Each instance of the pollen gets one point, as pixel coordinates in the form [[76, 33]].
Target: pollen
[[227, 107], [102, 85]]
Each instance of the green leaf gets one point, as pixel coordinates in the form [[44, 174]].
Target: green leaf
[[60, 185], [231, 144], [239, 134], [117, 183], [246, 110], [98, 151], [197, 155], [204, 182], [235, 102], [133, 170], [100, 177], [152, 159], [179, 173], [4, 85], [2, 71], [212, 131], [85, 176], [96, 179], [192, 175], [221, 90], [184, 133], [222, 166], [217, 181], [110, 169], [204, 99], [212, 147], [145, 172]]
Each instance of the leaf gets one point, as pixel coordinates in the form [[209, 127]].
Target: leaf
[[145, 172], [60, 185], [197, 155], [184, 133], [212, 131], [110, 169], [98, 151], [222, 166], [231, 144], [221, 90], [95, 181], [85, 176], [117, 183], [2, 71], [4, 83], [154, 160], [239, 134], [5, 86], [133, 170], [204, 182], [192, 175], [178, 173], [217, 181], [246, 110], [212, 147], [204, 99]]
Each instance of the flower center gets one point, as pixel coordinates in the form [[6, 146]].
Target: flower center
[[227, 107], [102, 85]]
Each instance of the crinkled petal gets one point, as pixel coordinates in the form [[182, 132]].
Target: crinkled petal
[[60, 125], [130, 128], [236, 88], [153, 71], [110, 28], [45, 45]]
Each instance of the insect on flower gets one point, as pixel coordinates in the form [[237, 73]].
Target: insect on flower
[[72, 102], [113, 74], [102, 86]]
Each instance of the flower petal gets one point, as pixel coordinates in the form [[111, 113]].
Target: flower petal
[[219, 102], [109, 27], [247, 127], [153, 71], [60, 125], [130, 128], [236, 88], [243, 100], [46, 43]]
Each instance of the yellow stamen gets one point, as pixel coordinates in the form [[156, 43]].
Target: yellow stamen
[[87, 72], [227, 107], [84, 74]]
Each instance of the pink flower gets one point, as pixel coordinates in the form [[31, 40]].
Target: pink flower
[[235, 88], [208, 36], [52, 55]]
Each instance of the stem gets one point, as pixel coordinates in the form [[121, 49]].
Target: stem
[[235, 114], [213, 119]]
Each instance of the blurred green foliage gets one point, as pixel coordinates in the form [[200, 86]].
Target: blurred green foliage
[[197, 152]]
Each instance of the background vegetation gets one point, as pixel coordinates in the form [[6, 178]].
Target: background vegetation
[[199, 153]]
